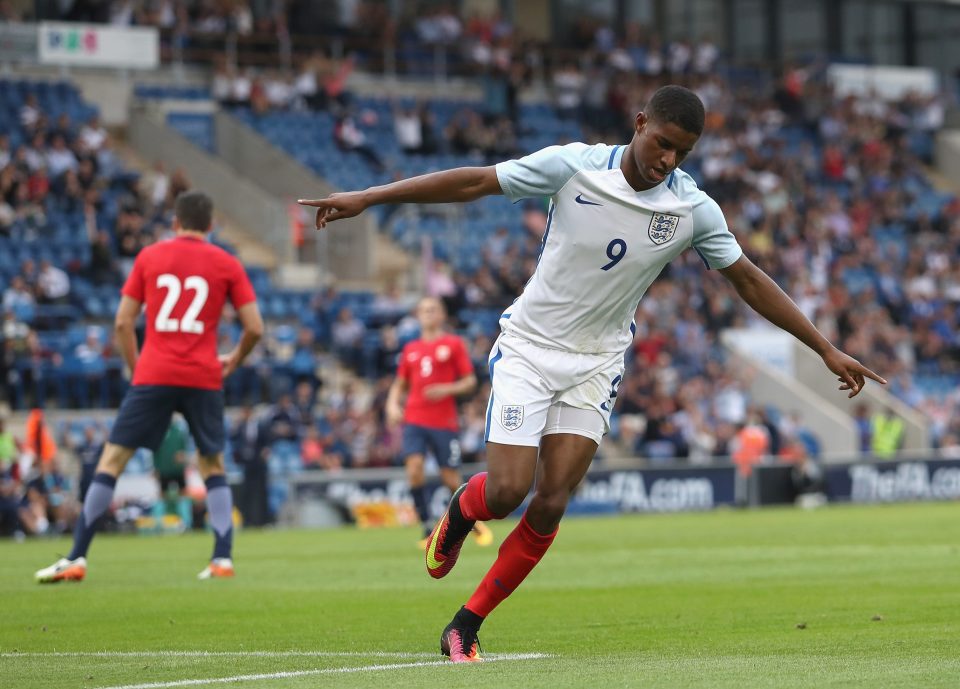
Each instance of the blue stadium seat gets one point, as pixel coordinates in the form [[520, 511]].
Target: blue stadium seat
[[197, 127]]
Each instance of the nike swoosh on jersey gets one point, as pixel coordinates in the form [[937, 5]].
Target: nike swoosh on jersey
[[584, 202]]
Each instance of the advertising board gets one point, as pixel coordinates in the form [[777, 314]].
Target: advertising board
[[96, 45], [602, 491]]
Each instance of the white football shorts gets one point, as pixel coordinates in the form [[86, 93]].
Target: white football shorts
[[536, 391]]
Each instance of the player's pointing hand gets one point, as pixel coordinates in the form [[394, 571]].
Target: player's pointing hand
[[336, 206], [851, 373]]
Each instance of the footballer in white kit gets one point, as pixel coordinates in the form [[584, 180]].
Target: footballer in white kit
[[618, 215], [560, 356]]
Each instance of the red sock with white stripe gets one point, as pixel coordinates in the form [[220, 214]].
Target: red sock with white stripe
[[518, 555]]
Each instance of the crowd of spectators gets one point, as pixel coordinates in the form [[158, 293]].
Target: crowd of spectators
[[805, 238], [65, 195], [825, 192]]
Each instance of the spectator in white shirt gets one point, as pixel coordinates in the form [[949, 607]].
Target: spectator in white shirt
[[242, 88], [35, 155], [349, 137], [679, 54], [30, 112], [52, 284], [91, 350], [306, 86], [705, 56], [347, 334], [568, 83], [156, 184], [60, 158], [279, 91], [406, 128], [93, 135], [222, 87]]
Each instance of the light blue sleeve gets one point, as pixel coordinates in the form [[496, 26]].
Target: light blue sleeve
[[711, 238], [542, 173]]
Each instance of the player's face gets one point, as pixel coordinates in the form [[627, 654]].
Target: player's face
[[659, 148], [430, 314]]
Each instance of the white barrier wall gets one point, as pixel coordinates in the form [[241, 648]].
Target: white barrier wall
[[251, 206], [348, 246], [767, 385], [810, 371]]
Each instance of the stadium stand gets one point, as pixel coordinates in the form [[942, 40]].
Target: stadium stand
[[847, 213], [828, 194]]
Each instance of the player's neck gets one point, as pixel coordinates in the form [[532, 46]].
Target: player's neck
[[429, 335], [631, 173], [191, 234]]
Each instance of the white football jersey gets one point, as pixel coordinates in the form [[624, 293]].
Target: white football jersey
[[604, 244]]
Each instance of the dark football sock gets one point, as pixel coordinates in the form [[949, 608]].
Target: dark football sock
[[95, 504], [220, 513], [419, 494]]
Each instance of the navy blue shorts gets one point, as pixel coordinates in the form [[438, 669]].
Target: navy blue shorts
[[443, 445], [144, 416]]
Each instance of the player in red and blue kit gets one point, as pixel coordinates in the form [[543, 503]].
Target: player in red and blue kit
[[183, 284], [432, 371]]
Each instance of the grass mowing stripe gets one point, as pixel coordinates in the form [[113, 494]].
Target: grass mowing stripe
[[218, 654], [322, 671]]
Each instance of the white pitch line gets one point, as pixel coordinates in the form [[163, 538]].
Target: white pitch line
[[307, 673]]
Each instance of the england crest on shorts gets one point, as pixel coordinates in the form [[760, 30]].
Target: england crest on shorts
[[511, 416], [662, 227]]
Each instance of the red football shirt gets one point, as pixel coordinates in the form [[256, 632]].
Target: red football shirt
[[184, 283], [443, 360]]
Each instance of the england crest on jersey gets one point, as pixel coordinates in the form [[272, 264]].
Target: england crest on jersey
[[662, 227], [511, 416]]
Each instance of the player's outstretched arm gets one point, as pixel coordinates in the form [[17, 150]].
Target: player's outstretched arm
[[447, 186], [252, 324], [125, 328], [766, 298]]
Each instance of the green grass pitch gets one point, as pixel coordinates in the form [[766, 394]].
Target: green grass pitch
[[840, 597]]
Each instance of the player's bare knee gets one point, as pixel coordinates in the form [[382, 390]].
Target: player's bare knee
[[210, 465], [415, 476], [451, 478], [114, 459], [504, 498], [413, 466], [548, 507], [109, 465]]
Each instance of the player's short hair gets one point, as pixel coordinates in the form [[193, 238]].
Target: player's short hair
[[437, 300], [194, 211], [677, 105]]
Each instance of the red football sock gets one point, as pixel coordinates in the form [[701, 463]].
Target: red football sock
[[519, 554], [473, 501]]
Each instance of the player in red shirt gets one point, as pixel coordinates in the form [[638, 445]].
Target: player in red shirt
[[432, 372], [183, 284]]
